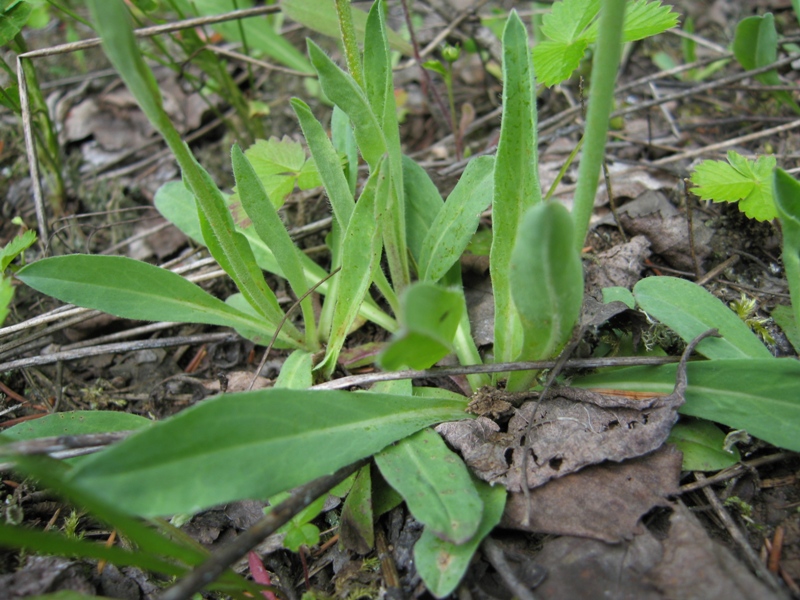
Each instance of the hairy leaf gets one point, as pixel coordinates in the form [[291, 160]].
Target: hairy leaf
[[689, 310], [435, 484], [251, 445], [442, 564]]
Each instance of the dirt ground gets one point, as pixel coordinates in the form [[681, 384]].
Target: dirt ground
[[734, 534]]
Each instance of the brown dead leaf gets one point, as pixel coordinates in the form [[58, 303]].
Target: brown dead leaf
[[653, 216], [603, 502], [620, 266], [584, 569], [696, 567]]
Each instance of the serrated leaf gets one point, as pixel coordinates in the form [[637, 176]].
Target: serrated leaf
[[13, 17], [280, 164], [251, 445], [435, 484], [702, 445], [739, 179], [555, 61], [568, 20], [643, 19], [442, 564], [572, 25], [15, 247]]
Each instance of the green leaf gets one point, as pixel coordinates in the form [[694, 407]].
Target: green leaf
[[343, 91], [739, 179], [643, 19], [759, 395], [327, 160], [619, 294], [280, 164], [423, 204], [456, 222], [546, 284], [787, 201], [320, 16], [15, 247], [435, 484], [177, 205], [755, 45], [6, 294], [785, 319], [296, 371], [360, 256], [516, 181], [271, 230], [13, 17], [47, 542], [689, 310], [702, 445], [555, 61], [568, 20], [299, 530], [131, 289], [572, 25], [76, 422], [430, 317], [442, 564], [251, 445], [356, 530]]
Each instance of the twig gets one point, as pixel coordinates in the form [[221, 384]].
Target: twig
[[739, 537], [573, 363], [733, 471], [729, 262], [494, 554], [49, 359], [278, 516]]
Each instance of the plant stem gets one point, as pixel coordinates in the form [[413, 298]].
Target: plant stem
[[601, 100]]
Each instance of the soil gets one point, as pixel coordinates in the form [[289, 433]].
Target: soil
[[675, 537]]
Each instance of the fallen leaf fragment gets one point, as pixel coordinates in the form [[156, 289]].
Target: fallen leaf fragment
[[603, 502]]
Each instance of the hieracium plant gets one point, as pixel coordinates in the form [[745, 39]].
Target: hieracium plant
[[397, 236]]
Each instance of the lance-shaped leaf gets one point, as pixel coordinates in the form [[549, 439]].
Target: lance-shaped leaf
[[430, 317], [456, 222], [516, 180], [787, 201], [423, 202], [435, 484], [442, 564], [251, 445], [343, 91], [76, 422], [689, 310], [760, 395], [269, 227], [132, 289], [546, 282], [328, 164], [360, 255]]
